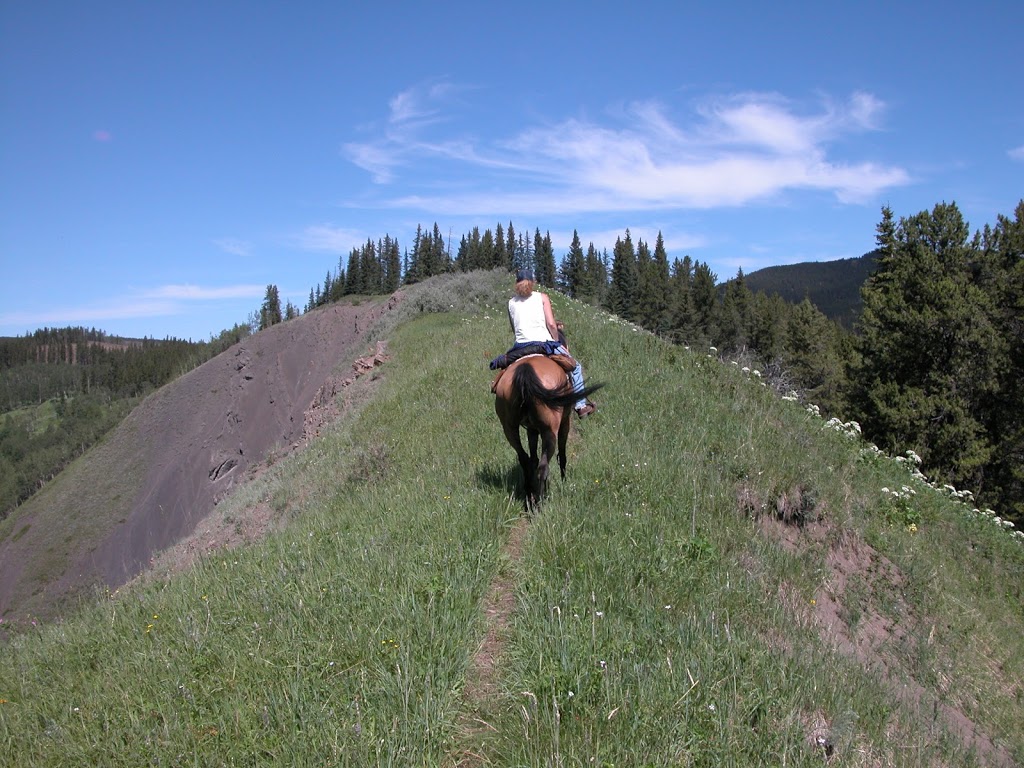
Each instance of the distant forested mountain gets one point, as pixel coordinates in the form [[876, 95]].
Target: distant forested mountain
[[62, 389], [832, 286]]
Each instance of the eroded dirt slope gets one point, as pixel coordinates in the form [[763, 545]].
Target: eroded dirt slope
[[160, 472]]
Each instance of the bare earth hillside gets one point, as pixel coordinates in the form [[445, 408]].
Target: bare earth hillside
[[158, 474]]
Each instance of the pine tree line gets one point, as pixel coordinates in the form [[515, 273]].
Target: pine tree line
[[65, 362], [679, 300], [380, 268]]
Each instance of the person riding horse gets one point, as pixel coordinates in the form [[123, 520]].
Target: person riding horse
[[533, 324], [533, 392]]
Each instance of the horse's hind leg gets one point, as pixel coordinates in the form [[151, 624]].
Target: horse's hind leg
[[535, 485], [563, 437], [526, 463], [547, 451]]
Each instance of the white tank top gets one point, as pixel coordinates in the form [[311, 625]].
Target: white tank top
[[528, 318]]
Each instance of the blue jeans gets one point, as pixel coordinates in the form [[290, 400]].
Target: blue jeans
[[576, 377]]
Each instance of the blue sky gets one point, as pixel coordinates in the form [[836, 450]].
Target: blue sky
[[161, 163]]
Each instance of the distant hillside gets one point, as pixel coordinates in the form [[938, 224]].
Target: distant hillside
[[172, 459], [832, 286], [61, 345]]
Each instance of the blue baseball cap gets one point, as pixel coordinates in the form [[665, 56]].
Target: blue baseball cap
[[524, 274]]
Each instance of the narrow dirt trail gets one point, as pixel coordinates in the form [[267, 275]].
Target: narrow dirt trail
[[482, 690]]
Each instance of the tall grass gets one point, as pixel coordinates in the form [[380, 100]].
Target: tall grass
[[656, 622]]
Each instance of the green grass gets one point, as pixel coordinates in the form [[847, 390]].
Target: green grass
[[655, 622], [37, 417]]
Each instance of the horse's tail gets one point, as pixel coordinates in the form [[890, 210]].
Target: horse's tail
[[526, 382]]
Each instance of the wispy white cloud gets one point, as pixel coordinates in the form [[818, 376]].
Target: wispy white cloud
[[423, 104], [162, 301], [329, 239], [379, 161], [400, 142], [206, 293], [675, 240], [733, 151], [865, 110], [85, 315], [418, 105], [410, 113], [233, 246], [1017, 153]]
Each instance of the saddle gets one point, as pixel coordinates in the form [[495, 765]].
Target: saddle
[[566, 362]]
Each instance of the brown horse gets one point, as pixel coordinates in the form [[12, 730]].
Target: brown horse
[[535, 393]]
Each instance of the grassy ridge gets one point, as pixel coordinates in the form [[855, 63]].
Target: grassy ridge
[[655, 621]]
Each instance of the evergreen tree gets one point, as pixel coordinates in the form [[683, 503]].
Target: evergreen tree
[[655, 288], [462, 255], [511, 250], [439, 257], [370, 269], [1001, 276], [413, 266], [338, 285], [594, 286], [328, 288], [544, 259], [704, 294], [622, 293], [500, 248], [354, 273], [526, 250], [642, 312], [270, 311], [683, 326], [477, 257], [735, 314], [571, 275], [488, 252], [929, 348], [768, 318], [392, 265], [811, 356]]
